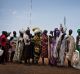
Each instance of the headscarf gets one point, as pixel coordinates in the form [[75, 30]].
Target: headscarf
[[78, 31], [56, 32], [36, 30]]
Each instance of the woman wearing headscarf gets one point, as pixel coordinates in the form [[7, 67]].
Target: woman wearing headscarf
[[37, 44], [77, 59], [20, 46], [53, 45], [44, 49]]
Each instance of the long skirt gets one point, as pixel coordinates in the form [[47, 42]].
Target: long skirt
[[53, 55], [27, 52], [44, 53]]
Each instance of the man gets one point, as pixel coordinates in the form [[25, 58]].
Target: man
[[27, 42], [77, 66], [44, 50], [70, 47]]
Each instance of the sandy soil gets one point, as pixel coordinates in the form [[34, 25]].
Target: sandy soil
[[35, 69]]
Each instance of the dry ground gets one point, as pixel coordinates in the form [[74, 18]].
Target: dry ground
[[35, 69]]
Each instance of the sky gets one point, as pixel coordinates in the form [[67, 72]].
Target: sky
[[45, 14]]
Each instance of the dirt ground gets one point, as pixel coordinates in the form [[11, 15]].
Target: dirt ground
[[35, 69]]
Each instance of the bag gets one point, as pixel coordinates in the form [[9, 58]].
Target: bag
[[75, 57], [1, 52]]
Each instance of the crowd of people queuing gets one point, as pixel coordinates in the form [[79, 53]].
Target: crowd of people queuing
[[56, 49]]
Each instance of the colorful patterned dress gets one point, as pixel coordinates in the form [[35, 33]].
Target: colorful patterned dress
[[37, 48], [53, 51], [44, 43]]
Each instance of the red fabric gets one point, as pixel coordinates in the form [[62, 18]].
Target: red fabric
[[44, 42], [3, 40]]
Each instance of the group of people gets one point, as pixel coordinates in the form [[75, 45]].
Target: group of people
[[56, 49]]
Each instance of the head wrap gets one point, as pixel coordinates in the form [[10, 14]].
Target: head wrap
[[78, 31], [45, 31], [57, 32], [14, 32], [36, 30], [70, 31]]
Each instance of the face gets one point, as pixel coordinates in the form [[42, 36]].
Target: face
[[14, 33], [70, 32], [51, 32], [21, 34], [28, 32], [57, 33], [45, 33]]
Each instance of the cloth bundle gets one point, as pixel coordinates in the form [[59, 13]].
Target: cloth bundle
[[75, 58]]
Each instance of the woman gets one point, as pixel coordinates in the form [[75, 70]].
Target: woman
[[3, 40], [20, 46], [78, 40], [61, 50], [44, 50], [14, 50], [37, 44], [53, 50], [77, 65], [27, 42]]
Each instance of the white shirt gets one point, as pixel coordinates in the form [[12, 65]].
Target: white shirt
[[26, 39]]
